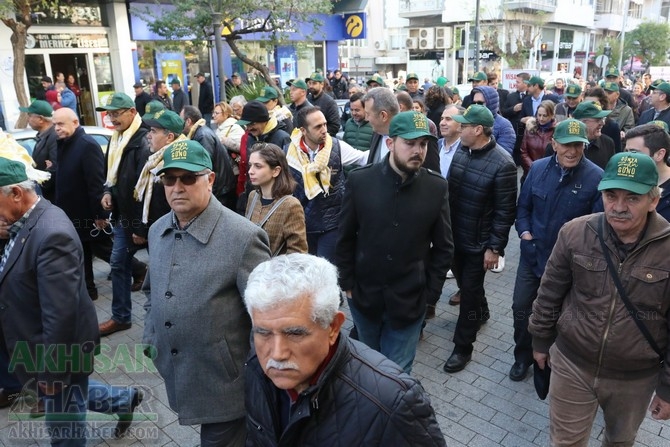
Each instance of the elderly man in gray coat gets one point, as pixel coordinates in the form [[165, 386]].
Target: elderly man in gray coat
[[196, 327]]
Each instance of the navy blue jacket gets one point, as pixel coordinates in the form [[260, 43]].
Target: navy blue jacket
[[551, 197], [663, 207]]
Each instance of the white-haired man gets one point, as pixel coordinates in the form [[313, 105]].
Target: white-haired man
[[305, 383]]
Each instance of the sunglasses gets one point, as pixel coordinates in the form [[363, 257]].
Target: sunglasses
[[481, 103], [186, 179]]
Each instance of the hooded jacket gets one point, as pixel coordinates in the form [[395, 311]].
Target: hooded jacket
[[503, 131]]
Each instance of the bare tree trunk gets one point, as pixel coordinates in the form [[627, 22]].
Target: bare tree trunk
[[18, 40], [258, 66]]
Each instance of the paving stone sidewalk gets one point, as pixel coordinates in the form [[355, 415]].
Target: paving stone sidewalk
[[479, 406]]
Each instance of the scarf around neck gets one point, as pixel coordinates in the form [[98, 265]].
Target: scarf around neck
[[117, 144]]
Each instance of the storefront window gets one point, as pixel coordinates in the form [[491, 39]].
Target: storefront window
[[35, 69]]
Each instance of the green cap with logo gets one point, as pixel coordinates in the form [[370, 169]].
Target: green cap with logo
[[632, 171], [590, 109], [570, 131], [401, 88], [376, 78], [612, 72], [151, 108], [611, 86], [269, 93], [573, 91], [39, 107], [165, 119], [478, 76], [662, 124], [316, 77], [475, 114], [663, 86], [12, 172], [188, 155], [535, 80], [411, 76], [117, 101], [410, 126], [297, 83], [441, 81]]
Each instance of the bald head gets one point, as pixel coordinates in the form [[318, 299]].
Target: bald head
[[65, 122]]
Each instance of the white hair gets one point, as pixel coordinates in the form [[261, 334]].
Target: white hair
[[26, 185], [239, 98], [288, 278]]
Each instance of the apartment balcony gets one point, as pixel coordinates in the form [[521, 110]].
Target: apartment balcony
[[531, 6], [420, 8]]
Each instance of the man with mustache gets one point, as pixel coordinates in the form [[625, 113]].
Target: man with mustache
[[308, 385], [395, 246], [594, 342]]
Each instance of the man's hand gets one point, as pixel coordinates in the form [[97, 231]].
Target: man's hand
[[517, 107], [50, 389], [139, 240], [48, 163], [541, 358], [106, 201], [101, 223], [490, 259], [660, 409], [527, 236]]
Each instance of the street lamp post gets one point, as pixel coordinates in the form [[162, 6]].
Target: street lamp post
[[357, 60], [218, 45]]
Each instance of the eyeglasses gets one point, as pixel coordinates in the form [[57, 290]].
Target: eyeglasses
[[481, 103], [108, 230], [117, 113], [186, 179]]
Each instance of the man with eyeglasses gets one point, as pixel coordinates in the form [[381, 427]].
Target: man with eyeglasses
[[127, 153], [571, 99], [660, 105], [196, 326], [600, 147], [44, 152], [79, 187]]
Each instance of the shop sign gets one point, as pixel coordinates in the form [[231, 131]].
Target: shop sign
[[80, 41]]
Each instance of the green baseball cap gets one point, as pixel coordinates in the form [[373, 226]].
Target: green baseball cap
[[412, 76], [175, 81], [535, 80], [152, 108], [570, 131], [401, 88], [633, 171], [662, 124], [663, 86], [376, 78], [478, 76], [39, 107], [269, 93], [455, 90], [297, 83], [165, 119], [441, 81], [612, 72], [573, 91], [188, 155], [611, 86], [117, 101], [316, 77], [410, 126], [475, 114], [590, 109], [12, 172]]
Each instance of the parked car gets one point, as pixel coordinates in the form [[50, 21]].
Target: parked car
[[28, 137]]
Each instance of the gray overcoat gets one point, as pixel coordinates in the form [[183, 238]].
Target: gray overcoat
[[195, 315]]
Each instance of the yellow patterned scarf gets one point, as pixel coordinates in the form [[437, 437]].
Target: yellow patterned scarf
[[116, 146], [194, 127], [312, 171], [144, 188]]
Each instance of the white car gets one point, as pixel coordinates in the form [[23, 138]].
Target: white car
[[28, 137]]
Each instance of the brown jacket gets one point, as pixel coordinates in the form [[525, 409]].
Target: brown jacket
[[285, 225], [579, 309]]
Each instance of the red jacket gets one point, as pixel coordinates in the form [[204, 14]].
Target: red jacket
[[534, 145]]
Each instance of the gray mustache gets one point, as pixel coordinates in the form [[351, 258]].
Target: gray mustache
[[280, 365]]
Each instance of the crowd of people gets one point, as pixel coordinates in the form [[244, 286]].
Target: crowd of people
[[261, 219]]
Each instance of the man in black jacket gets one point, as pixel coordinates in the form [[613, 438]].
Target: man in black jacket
[[318, 97], [308, 385], [179, 97], [44, 153], [511, 109], [205, 98], [660, 105], [126, 156], [395, 245], [142, 98], [482, 195]]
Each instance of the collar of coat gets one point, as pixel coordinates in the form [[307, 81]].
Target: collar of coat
[[203, 227]]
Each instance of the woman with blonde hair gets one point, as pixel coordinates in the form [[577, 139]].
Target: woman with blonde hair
[[539, 132], [229, 132], [271, 204]]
